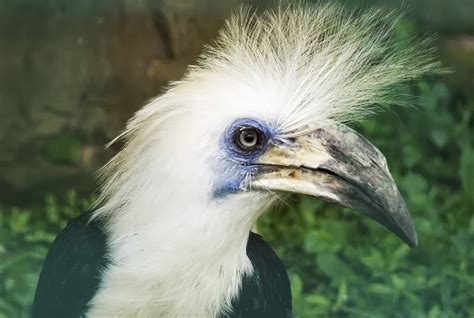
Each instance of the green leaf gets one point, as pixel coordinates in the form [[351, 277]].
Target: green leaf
[[332, 266], [466, 171], [380, 289], [318, 300], [296, 285]]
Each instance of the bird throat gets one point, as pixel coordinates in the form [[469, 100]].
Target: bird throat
[[188, 265]]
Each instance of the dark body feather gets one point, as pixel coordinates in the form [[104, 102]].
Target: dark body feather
[[72, 271], [265, 293]]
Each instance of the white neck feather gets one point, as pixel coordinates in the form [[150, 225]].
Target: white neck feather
[[189, 265]]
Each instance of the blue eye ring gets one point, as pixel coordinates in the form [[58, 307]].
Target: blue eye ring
[[247, 139]]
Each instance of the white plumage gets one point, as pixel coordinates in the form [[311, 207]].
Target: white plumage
[[294, 68]]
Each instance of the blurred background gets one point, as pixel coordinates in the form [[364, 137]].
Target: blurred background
[[73, 72]]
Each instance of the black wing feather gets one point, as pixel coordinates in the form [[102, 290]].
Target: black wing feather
[[71, 272], [266, 293]]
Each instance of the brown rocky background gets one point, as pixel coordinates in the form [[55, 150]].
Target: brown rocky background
[[73, 72]]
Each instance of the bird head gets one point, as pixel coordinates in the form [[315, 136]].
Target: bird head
[[263, 113]]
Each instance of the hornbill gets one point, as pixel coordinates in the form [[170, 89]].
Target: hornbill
[[261, 114]]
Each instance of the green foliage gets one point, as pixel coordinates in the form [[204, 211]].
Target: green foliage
[[25, 236]]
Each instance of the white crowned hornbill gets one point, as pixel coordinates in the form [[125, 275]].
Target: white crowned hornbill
[[260, 114]]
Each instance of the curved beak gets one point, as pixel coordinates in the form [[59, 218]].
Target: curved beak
[[337, 164]]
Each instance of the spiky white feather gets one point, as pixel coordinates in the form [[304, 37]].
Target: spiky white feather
[[315, 64], [175, 250]]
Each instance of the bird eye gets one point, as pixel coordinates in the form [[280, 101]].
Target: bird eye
[[248, 139]]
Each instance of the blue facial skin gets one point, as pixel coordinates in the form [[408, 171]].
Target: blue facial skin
[[237, 164]]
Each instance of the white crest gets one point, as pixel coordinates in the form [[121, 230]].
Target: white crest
[[324, 62]]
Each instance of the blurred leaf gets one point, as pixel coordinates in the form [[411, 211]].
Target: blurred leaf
[[296, 285], [439, 137], [332, 266], [466, 172], [318, 300], [380, 289]]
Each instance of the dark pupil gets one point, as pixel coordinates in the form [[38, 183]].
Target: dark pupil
[[249, 136]]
